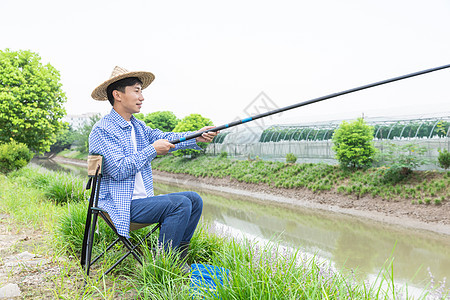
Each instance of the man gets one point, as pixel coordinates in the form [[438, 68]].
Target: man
[[128, 147]]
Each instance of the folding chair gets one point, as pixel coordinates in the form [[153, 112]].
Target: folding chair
[[95, 168]]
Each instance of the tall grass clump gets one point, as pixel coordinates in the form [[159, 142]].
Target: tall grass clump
[[161, 276], [70, 229], [57, 186], [271, 271], [63, 188], [204, 245]]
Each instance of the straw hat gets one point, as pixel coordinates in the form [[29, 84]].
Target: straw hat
[[120, 73]]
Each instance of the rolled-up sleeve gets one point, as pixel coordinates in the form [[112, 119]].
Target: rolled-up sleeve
[[156, 134]]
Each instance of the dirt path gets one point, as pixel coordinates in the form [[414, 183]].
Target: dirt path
[[430, 217], [24, 271]]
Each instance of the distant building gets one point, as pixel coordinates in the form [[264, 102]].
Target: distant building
[[77, 121]]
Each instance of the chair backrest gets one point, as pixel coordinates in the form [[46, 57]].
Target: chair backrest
[[95, 161], [95, 169]]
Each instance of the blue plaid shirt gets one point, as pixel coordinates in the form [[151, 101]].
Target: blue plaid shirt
[[111, 137]]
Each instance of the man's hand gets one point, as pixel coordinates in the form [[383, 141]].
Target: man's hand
[[207, 136], [162, 147]]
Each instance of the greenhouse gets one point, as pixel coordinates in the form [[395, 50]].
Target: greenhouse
[[313, 142]]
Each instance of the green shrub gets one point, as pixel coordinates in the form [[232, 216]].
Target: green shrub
[[291, 158], [14, 156], [394, 174], [353, 144], [402, 159], [444, 159], [223, 154]]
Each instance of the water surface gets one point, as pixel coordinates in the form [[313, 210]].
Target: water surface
[[346, 241]]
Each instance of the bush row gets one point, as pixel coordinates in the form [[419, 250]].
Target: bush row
[[375, 182]]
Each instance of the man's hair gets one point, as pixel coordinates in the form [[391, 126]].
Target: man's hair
[[120, 85]]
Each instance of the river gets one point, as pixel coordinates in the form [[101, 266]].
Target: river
[[345, 241]]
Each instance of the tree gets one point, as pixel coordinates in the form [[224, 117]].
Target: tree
[[193, 122], [353, 144], [82, 138], [162, 120], [139, 116], [31, 100], [64, 139]]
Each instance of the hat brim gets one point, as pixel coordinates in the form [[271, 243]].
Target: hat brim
[[100, 92]]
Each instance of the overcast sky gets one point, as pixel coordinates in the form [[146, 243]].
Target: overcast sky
[[215, 58]]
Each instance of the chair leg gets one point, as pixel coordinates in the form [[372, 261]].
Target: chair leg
[[146, 237], [131, 250], [107, 249], [90, 242]]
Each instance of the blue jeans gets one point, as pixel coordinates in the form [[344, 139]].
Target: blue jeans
[[178, 214]]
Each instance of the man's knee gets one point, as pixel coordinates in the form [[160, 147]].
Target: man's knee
[[182, 204], [195, 198]]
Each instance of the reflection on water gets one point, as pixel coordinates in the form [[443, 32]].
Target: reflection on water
[[361, 245], [56, 166]]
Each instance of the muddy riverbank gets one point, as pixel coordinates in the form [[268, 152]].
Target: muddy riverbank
[[435, 218]]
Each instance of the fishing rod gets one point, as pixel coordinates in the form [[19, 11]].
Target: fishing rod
[[276, 111]]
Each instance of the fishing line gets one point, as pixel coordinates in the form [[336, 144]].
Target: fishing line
[[279, 110]]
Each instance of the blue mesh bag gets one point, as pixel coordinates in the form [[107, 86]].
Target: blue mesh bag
[[206, 278]]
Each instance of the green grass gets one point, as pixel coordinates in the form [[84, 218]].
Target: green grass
[[420, 185], [257, 271], [26, 204]]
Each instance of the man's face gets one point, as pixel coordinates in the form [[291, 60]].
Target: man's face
[[131, 100]]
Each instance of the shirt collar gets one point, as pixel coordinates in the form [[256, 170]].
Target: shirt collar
[[118, 119]]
